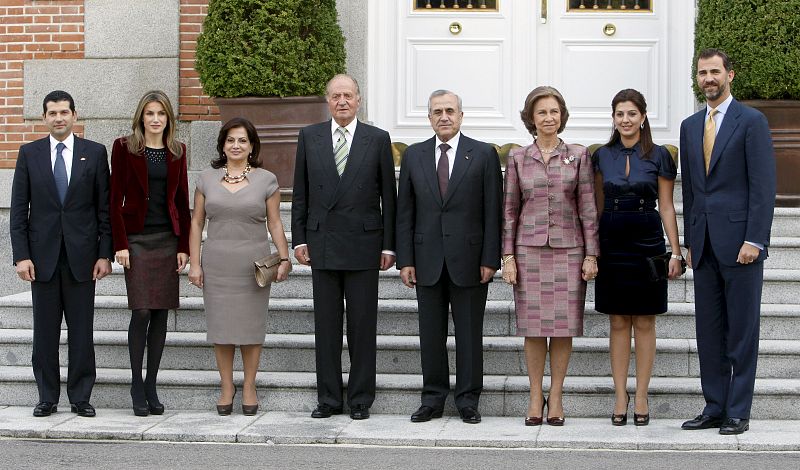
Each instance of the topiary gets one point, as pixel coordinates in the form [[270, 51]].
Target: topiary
[[761, 38], [269, 47]]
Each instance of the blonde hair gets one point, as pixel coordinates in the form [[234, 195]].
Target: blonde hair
[[136, 141]]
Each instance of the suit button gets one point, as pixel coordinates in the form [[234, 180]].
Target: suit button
[[641, 201], [616, 201], [550, 183], [551, 197], [616, 208], [641, 209], [549, 210]]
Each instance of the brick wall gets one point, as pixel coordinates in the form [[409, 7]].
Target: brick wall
[[32, 29], [193, 104]]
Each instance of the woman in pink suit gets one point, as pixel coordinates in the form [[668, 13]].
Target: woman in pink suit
[[550, 245]]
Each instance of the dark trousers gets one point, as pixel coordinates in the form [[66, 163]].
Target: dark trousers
[[728, 309], [63, 296], [331, 288], [468, 306]]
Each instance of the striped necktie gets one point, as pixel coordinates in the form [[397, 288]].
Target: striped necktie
[[709, 135], [341, 150]]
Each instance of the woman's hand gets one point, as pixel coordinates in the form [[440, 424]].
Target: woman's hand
[[675, 270], [283, 271], [123, 257], [589, 268], [510, 272], [183, 258], [196, 275]]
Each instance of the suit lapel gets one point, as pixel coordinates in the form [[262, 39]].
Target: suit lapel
[[42, 158], [729, 125], [324, 151], [460, 166], [358, 149], [697, 161], [428, 159]]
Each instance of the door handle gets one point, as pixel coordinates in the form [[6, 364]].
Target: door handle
[[543, 13]]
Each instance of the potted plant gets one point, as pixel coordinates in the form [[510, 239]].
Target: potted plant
[[269, 61], [761, 38]]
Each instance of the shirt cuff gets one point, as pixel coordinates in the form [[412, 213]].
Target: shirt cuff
[[389, 252], [757, 245], [298, 246]]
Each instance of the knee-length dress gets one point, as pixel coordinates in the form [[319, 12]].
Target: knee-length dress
[[550, 224], [236, 308], [630, 230]]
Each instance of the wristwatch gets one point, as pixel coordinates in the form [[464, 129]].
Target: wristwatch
[[674, 256]]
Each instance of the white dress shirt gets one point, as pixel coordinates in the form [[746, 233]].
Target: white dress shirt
[[351, 131], [69, 143]]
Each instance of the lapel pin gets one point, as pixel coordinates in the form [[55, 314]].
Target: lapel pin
[[466, 157], [83, 158]]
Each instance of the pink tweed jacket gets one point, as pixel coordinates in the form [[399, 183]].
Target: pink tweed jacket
[[550, 204]]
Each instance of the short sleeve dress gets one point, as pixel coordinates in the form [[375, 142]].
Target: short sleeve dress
[[236, 308], [630, 230]]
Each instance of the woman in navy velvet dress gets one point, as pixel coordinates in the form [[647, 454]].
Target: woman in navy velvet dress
[[632, 174]]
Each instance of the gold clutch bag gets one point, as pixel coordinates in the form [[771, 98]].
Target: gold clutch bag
[[266, 269]]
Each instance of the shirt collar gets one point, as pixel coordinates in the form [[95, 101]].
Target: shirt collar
[[69, 142], [722, 108], [453, 143], [351, 128]]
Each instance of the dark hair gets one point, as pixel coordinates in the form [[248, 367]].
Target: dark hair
[[535, 95], [712, 52], [645, 135], [252, 136], [55, 97]]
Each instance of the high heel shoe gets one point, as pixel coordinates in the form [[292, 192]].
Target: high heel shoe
[[621, 419], [226, 410], [555, 420], [249, 410], [536, 420], [154, 405], [643, 419], [139, 402]]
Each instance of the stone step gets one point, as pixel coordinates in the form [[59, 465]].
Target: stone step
[[395, 317], [400, 354], [400, 393]]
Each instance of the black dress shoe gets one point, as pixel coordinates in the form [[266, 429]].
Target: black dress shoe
[[425, 413], [734, 426], [359, 412], [44, 408], [702, 422], [470, 415], [325, 411], [83, 408]]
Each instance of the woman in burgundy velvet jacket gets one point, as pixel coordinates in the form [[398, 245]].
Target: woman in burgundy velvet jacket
[[150, 223]]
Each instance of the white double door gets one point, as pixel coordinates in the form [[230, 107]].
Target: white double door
[[497, 57]]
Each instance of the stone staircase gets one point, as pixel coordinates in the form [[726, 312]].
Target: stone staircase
[[287, 382]]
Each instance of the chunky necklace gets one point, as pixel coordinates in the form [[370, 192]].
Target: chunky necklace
[[550, 150], [236, 179]]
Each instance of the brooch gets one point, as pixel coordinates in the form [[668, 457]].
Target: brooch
[[568, 160]]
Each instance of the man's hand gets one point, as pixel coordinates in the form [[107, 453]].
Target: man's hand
[[301, 253], [747, 254], [689, 258], [25, 270], [486, 274], [409, 276], [387, 261], [102, 267]]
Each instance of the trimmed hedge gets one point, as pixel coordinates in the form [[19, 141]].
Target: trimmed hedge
[[269, 48], [762, 38]]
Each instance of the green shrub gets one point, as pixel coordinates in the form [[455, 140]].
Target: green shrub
[[269, 47], [762, 38]]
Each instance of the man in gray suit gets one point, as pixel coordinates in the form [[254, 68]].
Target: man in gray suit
[[449, 215], [343, 211]]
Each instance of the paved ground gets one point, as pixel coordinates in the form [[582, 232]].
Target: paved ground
[[391, 430]]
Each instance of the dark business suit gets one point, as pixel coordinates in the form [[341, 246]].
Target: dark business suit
[[732, 204], [447, 241], [64, 242], [346, 222]]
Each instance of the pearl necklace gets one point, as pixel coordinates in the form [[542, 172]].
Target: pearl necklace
[[550, 150], [236, 179]]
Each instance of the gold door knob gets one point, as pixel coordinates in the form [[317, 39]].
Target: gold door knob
[[455, 27], [609, 29]]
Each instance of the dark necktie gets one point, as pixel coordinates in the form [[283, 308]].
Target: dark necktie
[[60, 172], [443, 170]]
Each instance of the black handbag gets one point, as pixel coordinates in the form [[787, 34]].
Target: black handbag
[[658, 266]]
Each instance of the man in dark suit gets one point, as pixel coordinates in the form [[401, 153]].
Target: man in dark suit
[[61, 241], [343, 210], [449, 215], [728, 170]]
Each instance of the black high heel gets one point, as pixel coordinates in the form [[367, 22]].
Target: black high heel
[[622, 420], [226, 410], [154, 405], [139, 402], [643, 419], [536, 420]]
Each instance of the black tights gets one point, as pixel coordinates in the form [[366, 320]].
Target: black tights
[[147, 328]]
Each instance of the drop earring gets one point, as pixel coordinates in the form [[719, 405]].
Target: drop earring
[[641, 126]]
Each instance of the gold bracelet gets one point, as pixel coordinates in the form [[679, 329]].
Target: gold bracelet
[[591, 260], [507, 258]]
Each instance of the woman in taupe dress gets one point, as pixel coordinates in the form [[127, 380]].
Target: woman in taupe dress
[[237, 198]]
